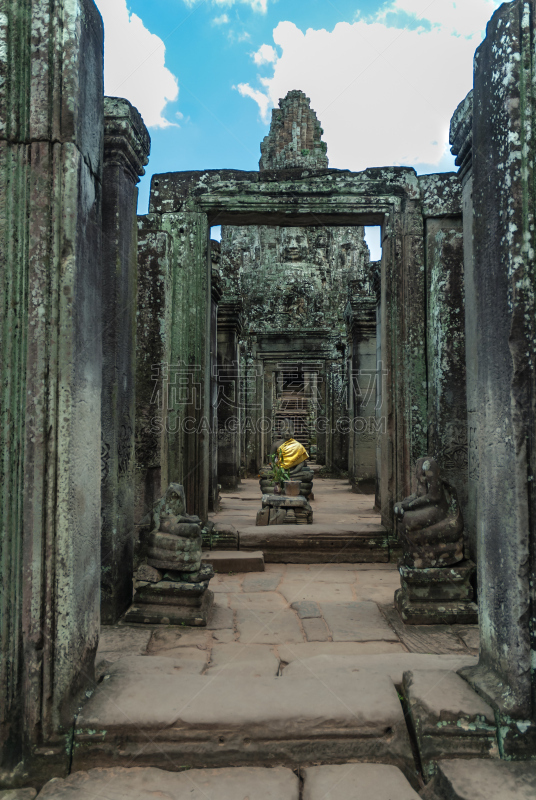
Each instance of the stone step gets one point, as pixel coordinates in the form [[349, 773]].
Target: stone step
[[449, 718], [150, 711], [482, 779], [364, 542], [234, 560], [346, 781]]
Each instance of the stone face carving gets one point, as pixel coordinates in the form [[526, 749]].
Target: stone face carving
[[435, 579], [172, 586]]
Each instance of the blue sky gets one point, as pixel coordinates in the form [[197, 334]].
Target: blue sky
[[383, 77]]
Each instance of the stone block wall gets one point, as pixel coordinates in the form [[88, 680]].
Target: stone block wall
[[51, 112]]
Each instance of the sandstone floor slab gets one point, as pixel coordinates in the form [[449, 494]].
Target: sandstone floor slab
[[483, 779], [356, 622], [310, 589], [261, 601], [261, 583], [253, 783], [315, 630], [255, 660], [289, 653], [118, 641], [149, 712], [268, 627], [356, 782]]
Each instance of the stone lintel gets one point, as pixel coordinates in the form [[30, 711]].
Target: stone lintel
[[334, 197], [230, 317], [441, 194], [127, 142]]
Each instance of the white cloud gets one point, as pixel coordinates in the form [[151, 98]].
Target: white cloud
[[261, 99], [266, 54], [222, 20], [386, 87], [256, 5], [134, 64]]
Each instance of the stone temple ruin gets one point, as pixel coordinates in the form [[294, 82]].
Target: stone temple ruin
[[148, 376]]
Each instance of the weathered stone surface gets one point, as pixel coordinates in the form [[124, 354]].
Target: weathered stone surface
[[448, 717], [295, 591], [348, 658], [178, 614], [220, 618], [267, 627], [126, 151], [299, 652], [263, 720], [261, 583], [18, 794], [253, 660], [117, 642], [51, 130], [440, 595], [356, 622], [317, 543], [138, 784], [316, 630], [229, 561], [483, 779], [307, 609], [356, 782], [501, 297], [153, 347]]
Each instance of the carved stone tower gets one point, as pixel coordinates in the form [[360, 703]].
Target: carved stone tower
[[294, 140]]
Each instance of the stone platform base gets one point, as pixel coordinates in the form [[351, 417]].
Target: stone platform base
[[171, 614], [422, 613], [353, 782], [437, 595], [318, 543], [153, 712]]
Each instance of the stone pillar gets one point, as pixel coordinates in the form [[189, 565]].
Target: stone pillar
[[445, 315], [503, 308], [229, 410], [153, 343], [216, 293], [188, 419], [461, 138], [361, 323], [51, 118], [403, 336], [126, 148]]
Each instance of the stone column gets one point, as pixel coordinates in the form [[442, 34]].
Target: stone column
[[505, 420], [361, 322], [51, 118], [461, 138], [445, 330], [153, 344], [229, 411], [216, 293], [126, 149], [189, 373]]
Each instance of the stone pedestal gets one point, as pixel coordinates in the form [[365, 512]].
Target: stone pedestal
[[437, 595], [171, 597], [171, 586], [278, 509]]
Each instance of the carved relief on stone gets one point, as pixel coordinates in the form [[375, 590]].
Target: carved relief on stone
[[455, 453]]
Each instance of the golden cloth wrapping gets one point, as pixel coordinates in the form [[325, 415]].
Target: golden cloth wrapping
[[291, 453]]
